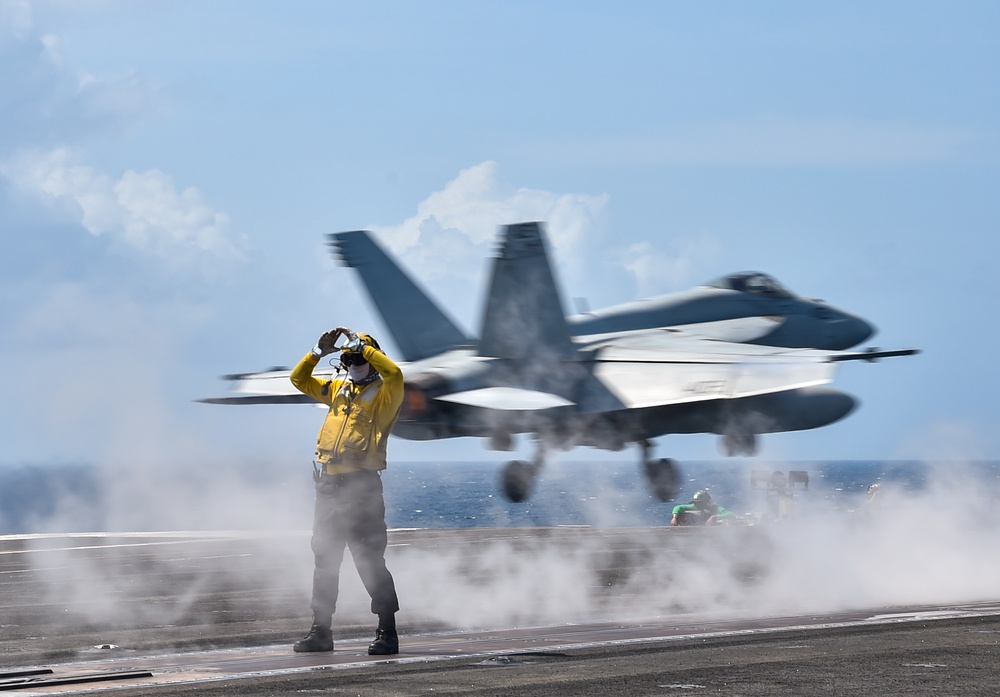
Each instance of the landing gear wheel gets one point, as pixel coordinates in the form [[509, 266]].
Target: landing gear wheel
[[663, 478], [739, 444], [517, 479]]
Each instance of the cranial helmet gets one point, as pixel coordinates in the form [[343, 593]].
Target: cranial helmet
[[370, 340], [349, 358], [702, 497]]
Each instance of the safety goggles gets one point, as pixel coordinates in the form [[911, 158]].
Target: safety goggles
[[353, 358]]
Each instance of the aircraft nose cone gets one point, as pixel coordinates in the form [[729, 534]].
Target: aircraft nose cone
[[858, 330], [848, 331]]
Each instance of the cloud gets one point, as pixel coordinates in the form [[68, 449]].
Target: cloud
[[656, 271], [446, 243], [16, 16], [143, 210], [49, 108], [468, 210], [45, 103]]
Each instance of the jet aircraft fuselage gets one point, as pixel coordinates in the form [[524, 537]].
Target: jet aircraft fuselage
[[795, 322]]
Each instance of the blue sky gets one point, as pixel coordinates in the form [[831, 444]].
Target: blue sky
[[168, 171]]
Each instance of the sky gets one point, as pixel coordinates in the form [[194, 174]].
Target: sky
[[168, 171]]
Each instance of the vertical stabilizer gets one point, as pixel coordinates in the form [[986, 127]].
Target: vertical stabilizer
[[418, 326], [524, 315]]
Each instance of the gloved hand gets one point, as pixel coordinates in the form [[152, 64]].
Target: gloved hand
[[327, 343], [354, 343]]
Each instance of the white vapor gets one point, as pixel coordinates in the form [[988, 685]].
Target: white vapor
[[923, 546]]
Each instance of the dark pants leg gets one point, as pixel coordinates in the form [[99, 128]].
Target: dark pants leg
[[350, 512]]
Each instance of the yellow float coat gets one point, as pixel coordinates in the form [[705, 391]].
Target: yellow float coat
[[356, 429]]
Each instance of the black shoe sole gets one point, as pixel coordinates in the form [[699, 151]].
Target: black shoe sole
[[380, 652], [304, 649]]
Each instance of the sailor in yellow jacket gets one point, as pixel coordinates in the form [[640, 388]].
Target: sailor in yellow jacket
[[350, 455]]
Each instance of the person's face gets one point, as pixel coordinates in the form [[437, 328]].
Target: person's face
[[359, 371]]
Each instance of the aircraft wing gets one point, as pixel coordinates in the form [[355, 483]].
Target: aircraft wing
[[639, 369], [663, 367], [267, 387]]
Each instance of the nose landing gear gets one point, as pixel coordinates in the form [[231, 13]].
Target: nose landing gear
[[738, 444], [662, 475]]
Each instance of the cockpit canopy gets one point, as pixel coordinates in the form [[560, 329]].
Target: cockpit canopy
[[752, 282]]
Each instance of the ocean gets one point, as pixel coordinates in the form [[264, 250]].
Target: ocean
[[612, 493]]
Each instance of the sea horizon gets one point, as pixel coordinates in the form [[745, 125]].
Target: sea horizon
[[430, 494]]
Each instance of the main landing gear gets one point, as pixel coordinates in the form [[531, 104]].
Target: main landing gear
[[662, 475], [518, 477]]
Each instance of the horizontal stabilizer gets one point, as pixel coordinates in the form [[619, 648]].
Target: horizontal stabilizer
[[507, 399], [418, 326]]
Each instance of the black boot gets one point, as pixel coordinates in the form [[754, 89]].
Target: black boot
[[386, 643], [319, 638]]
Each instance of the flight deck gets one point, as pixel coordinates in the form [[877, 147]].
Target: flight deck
[[168, 613]]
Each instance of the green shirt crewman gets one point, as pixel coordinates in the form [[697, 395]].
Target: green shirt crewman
[[701, 511]]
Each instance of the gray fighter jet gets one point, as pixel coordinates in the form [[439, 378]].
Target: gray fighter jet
[[791, 321], [739, 357]]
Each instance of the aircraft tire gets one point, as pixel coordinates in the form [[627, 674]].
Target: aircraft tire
[[517, 479], [664, 478]]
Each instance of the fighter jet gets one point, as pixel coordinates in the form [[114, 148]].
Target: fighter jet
[[747, 307], [791, 321], [738, 358]]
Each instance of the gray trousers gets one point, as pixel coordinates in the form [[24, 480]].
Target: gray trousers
[[350, 512]]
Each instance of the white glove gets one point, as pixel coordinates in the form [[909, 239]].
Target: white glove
[[327, 343], [354, 343]]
